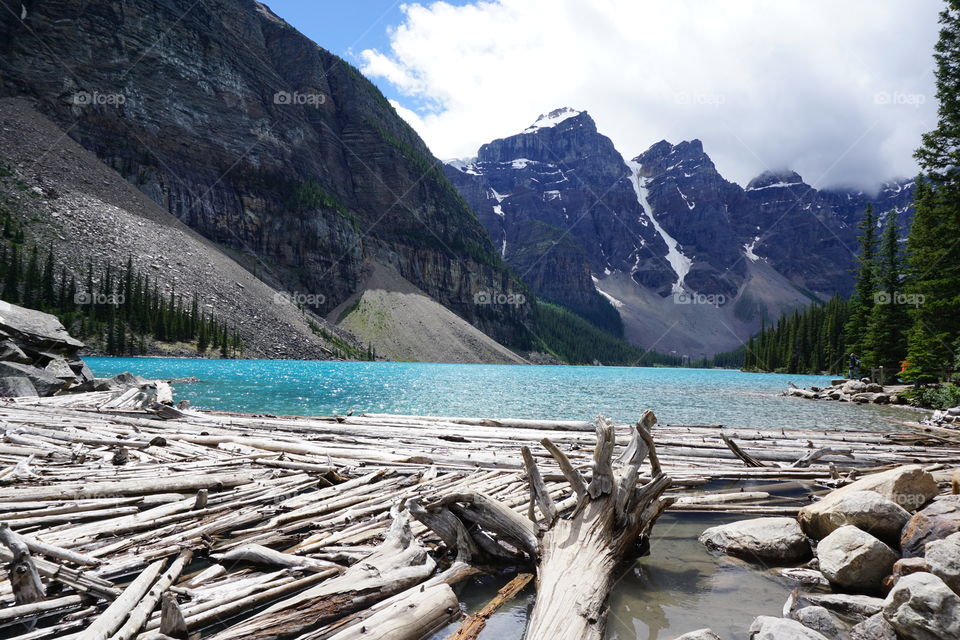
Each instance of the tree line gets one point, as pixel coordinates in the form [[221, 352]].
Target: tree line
[[120, 310]]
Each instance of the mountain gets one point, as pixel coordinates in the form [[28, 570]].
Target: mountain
[[278, 153], [692, 262]]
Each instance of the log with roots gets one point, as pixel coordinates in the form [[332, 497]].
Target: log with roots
[[576, 554]]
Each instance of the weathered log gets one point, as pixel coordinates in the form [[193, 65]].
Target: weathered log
[[112, 618], [476, 622], [172, 622], [748, 460], [27, 586]]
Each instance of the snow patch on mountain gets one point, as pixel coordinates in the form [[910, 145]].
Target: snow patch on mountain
[[777, 185], [552, 119], [748, 250], [614, 301], [678, 261]]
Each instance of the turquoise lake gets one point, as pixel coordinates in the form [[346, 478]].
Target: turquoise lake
[[678, 396]]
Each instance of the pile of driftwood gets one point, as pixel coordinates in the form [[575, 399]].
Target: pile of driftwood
[[119, 524]]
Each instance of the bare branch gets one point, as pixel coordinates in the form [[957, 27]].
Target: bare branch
[[573, 476], [538, 489], [602, 483]]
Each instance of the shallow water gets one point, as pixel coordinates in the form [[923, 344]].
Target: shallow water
[[678, 396], [678, 588]]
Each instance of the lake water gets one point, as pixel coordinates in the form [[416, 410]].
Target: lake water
[[677, 396], [679, 587]]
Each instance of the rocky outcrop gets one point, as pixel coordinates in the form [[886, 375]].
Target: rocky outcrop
[[821, 620], [922, 607], [936, 521], [42, 356], [853, 559], [856, 391], [765, 540], [866, 510]]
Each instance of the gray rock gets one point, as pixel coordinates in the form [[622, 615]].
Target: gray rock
[[769, 628], [864, 398], [35, 327], [953, 411], [81, 370], [909, 486], [699, 634], [922, 607], [867, 510], [821, 620], [875, 627], [881, 398], [16, 387], [943, 559], [43, 382], [854, 386], [776, 540], [936, 521], [9, 351], [873, 387], [856, 606], [853, 559], [59, 368]]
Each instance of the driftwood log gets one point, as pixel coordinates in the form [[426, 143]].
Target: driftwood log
[[576, 554]]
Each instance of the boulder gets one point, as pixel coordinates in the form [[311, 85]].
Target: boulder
[[853, 559], [881, 398], [939, 519], [699, 634], [864, 398], [867, 510], [873, 387], [875, 627], [853, 386], [44, 383], [16, 387], [821, 620], [776, 540], [922, 607], [59, 368], [836, 382], [36, 328], [943, 559], [769, 628], [910, 487]]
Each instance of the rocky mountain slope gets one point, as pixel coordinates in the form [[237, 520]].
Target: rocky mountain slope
[[403, 325], [692, 262], [85, 211], [269, 146]]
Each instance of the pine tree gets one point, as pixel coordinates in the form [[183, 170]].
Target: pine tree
[[861, 304], [934, 259], [885, 344], [31, 281]]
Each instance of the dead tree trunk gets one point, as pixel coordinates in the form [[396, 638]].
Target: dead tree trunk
[[576, 554]]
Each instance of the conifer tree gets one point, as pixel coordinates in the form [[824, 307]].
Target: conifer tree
[[885, 344], [934, 260], [861, 304]]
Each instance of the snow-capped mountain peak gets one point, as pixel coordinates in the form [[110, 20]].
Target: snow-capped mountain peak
[[552, 119]]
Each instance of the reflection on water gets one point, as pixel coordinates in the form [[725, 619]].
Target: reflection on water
[[681, 587], [678, 588]]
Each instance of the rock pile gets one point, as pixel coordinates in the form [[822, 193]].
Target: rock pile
[[888, 534], [859, 391], [37, 355]]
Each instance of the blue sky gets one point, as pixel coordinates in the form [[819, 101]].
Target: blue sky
[[347, 28]]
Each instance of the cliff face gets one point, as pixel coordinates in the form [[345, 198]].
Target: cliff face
[[268, 145]]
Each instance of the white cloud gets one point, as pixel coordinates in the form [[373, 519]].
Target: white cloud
[[826, 88]]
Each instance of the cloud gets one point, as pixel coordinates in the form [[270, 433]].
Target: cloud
[[838, 91]]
